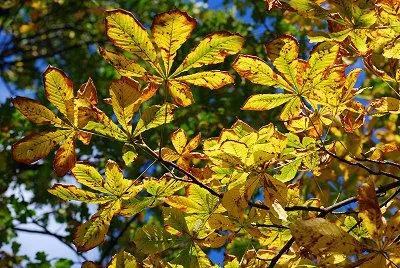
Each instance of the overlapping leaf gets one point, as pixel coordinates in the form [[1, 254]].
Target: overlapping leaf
[[169, 31], [77, 111], [183, 148], [114, 191]]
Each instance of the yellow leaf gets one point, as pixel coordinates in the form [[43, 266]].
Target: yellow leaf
[[65, 157], [212, 49], [209, 79], [154, 116], [169, 154], [235, 148], [384, 106], [58, 88], [88, 92], [261, 102], [125, 99], [235, 200], [221, 222], [170, 30], [93, 232], [106, 127], [213, 240], [127, 67], [38, 145], [179, 140], [180, 92], [71, 192], [323, 56], [259, 72], [165, 186], [129, 153], [89, 176], [283, 53], [291, 109], [36, 112], [122, 259], [116, 184], [369, 210], [127, 33], [320, 236]]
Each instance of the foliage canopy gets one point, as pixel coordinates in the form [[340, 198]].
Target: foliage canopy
[[313, 183]]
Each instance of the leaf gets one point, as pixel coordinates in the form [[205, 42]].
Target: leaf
[[369, 210], [261, 102], [209, 79], [36, 112], [384, 106], [152, 239], [127, 67], [212, 49], [179, 140], [65, 157], [288, 171], [129, 153], [122, 259], [125, 99], [175, 219], [283, 53], [170, 30], [71, 192], [116, 184], [127, 33], [154, 116], [181, 93], [320, 236], [38, 145], [58, 88], [133, 206], [89, 176], [106, 127], [165, 186], [88, 92], [93, 232], [258, 72]]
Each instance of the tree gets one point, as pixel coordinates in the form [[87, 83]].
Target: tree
[[315, 183]]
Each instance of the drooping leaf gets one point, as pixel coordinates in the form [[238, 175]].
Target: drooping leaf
[[65, 158], [125, 99], [38, 145], [369, 210], [93, 232], [36, 112]]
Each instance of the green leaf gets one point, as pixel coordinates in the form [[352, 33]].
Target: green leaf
[[154, 116]]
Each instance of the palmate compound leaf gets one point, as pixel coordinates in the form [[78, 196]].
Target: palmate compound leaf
[[169, 30], [114, 191], [297, 77], [183, 148], [76, 110], [319, 236]]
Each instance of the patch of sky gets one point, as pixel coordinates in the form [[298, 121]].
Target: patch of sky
[[215, 256]]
